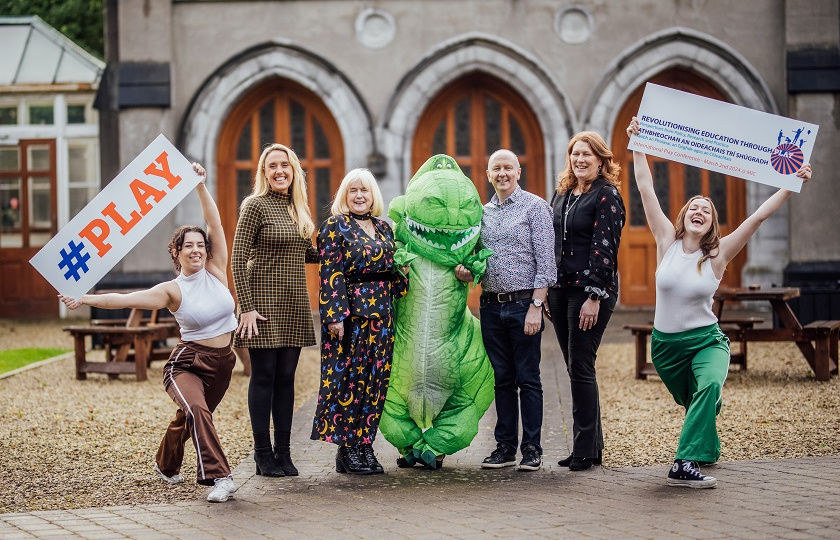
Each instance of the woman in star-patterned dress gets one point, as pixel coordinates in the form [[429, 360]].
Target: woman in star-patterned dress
[[358, 281]]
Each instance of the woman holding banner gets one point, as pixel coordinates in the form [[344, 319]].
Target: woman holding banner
[[198, 372], [271, 244], [688, 349]]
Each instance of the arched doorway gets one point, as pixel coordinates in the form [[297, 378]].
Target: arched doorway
[[280, 111], [675, 183], [472, 118]]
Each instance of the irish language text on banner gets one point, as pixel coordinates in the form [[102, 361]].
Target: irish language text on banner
[[723, 137], [116, 219]]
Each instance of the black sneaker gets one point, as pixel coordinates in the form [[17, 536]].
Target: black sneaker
[[531, 459], [685, 474], [502, 456]]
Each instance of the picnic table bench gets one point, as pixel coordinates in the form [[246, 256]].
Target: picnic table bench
[[734, 328], [129, 344]]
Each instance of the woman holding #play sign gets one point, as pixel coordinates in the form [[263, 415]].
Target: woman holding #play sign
[[197, 374], [688, 349]]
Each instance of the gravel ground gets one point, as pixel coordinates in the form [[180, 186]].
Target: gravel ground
[[73, 444], [76, 444]]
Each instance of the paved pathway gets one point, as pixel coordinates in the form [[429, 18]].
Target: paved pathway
[[797, 498]]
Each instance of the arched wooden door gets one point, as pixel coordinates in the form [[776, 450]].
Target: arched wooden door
[[285, 112], [674, 184], [472, 118]]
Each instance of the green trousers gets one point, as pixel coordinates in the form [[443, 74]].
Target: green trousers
[[693, 365]]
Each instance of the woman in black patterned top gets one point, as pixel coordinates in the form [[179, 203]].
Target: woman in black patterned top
[[588, 218], [271, 245]]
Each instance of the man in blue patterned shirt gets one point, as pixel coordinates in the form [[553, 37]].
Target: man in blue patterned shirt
[[517, 226]]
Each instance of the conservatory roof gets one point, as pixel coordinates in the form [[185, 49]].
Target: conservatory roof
[[35, 53]]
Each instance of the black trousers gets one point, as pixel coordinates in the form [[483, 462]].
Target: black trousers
[[580, 350]]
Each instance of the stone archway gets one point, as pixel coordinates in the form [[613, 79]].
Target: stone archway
[[224, 89], [452, 60]]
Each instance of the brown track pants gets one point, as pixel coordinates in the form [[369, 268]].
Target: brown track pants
[[196, 378]]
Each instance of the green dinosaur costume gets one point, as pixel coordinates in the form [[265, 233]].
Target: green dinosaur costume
[[441, 380]]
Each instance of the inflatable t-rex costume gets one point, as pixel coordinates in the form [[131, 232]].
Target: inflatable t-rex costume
[[441, 380]]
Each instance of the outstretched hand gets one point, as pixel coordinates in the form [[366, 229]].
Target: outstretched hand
[[633, 128], [804, 173], [200, 171], [71, 303]]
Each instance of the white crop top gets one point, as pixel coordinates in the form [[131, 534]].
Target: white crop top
[[684, 297], [206, 309]]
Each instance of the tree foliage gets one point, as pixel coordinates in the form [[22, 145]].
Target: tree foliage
[[79, 20]]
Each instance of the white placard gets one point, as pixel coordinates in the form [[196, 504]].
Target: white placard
[[722, 137], [117, 219]]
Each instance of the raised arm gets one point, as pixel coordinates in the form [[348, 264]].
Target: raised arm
[[218, 264], [661, 227], [734, 242]]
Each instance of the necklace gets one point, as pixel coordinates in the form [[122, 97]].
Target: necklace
[[569, 207], [367, 225]]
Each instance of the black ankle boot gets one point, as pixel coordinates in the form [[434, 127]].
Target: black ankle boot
[[264, 458], [581, 463], [283, 454], [367, 455], [566, 462], [347, 460]]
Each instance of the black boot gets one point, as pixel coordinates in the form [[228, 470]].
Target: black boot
[[283, 454], [264, 458], [347, 460], [367, 455]]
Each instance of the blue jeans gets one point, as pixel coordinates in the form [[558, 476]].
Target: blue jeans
[[515, 358]]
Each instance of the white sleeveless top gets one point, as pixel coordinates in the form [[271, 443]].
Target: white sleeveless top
[[684, 297], [206, 309]]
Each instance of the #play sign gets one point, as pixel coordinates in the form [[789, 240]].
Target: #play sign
[[116, 219]]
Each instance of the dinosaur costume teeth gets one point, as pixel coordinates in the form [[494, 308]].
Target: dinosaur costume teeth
[[439, 238]]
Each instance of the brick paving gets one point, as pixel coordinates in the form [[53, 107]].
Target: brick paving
[[795, 498]]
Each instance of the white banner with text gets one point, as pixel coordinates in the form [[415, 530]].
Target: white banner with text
[[722, 137]]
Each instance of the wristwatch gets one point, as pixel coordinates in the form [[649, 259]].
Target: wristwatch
[[537, 302], [594, 297]]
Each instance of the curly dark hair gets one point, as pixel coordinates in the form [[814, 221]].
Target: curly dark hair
[[177, 244]]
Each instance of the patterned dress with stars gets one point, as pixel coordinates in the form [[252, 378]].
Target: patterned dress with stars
[[358, 282]]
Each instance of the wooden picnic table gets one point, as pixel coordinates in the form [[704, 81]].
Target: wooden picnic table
[[129, 344], [817, 341]]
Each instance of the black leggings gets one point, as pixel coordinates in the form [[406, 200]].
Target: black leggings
[[271, 392]]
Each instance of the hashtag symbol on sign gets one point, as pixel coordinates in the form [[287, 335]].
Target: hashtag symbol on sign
[[74, 260]]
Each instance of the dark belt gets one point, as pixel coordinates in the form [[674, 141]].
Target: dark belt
[[371, 277], [504, 297]]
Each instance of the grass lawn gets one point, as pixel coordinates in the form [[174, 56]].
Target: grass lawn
[[16, 358]]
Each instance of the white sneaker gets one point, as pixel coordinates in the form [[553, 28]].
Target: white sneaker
[[223, 490], [175, 479]]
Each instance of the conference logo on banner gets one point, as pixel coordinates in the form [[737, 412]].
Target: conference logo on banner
[[117, 219], [722, 137]]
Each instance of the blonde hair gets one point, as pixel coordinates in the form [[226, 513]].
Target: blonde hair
[[710, 240], [608, 168], [367, 180], [299, 209]]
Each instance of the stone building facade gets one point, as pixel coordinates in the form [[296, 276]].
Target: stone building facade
[[386, 83]]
